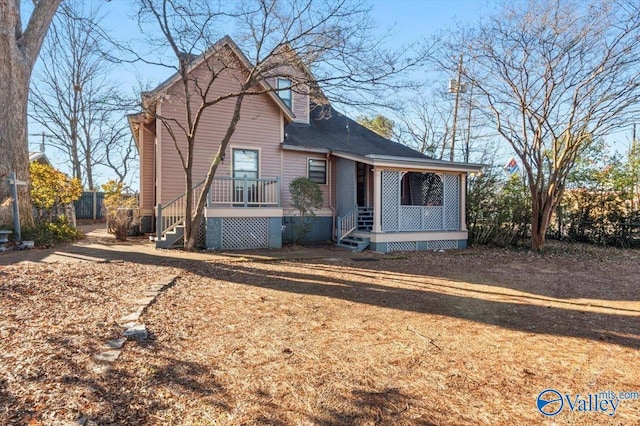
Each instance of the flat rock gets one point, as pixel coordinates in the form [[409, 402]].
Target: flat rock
[[138, 332], [108, 356], [145, 301], [132, 317], [116, 343]]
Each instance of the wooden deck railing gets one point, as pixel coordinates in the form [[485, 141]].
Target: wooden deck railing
[[347, 223], [172, 214], [245, 192]]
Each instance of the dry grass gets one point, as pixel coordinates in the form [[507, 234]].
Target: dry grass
[[466, 337]]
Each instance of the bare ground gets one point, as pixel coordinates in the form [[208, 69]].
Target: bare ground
[[461, 337]]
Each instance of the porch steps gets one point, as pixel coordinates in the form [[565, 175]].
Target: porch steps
[[171, 239], [365, 219], [353, 243]]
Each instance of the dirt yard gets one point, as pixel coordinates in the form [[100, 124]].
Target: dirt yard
[[460, 337]]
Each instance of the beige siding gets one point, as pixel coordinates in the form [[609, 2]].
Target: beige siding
[[301, 105], [295, 165], [147, 173], [258, 128]]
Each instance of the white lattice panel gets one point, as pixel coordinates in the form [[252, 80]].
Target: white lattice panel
[[432, 218], [245, 233], [390, 200], [452, 203], [402, 246], [410, 218], [443, 245]]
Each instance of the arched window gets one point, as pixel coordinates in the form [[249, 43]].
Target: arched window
[[422, 189]]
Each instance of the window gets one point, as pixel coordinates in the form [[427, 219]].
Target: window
[[422, 189], [318, 171], [284, 90], [245, 163]]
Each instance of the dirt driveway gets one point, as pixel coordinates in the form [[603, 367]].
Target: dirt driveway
[[461, 337]]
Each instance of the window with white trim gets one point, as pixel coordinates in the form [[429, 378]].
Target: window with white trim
[[245, 163], [284, 91], [317, 171]]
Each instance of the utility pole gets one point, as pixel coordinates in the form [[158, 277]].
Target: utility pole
[[457, 88]]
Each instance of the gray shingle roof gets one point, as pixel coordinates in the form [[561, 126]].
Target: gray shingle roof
[[337, 132]]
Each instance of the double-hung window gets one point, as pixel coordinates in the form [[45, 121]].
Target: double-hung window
[[284, 90], [245, 166]]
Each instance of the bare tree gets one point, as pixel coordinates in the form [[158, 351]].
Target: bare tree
[[19, 48], [73, 98], [425, 123], [554, 76], [332, 39]]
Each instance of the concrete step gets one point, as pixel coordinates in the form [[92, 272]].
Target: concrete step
[[171, 238], [355, 244]]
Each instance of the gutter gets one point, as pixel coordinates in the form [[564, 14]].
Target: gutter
[[331, 206]]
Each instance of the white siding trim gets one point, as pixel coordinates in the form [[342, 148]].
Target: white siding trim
[[319, 212], [243, 212], [158, 149], [394, 237]]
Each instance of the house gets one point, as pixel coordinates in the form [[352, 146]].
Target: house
[[39, 157], [377, 193]]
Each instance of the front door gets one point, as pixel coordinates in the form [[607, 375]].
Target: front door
[[361, 184]]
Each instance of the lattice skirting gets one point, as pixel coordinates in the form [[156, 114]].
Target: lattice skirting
[[402, 246], [245, 233], [443, 245]]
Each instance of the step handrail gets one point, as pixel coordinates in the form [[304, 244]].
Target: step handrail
[[347, 223], [171, 214]]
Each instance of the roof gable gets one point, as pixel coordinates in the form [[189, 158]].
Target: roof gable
[[152, 96]]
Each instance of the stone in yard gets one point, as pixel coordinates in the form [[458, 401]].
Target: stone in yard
[[132, 317], [145, 301], [109, 356], [138, 332], [116, 343], [150, 293]]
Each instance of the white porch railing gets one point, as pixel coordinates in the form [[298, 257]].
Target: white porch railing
[[422, 218], [245, 192], [172, 214], [347, 223]]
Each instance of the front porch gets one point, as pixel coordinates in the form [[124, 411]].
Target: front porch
[[401, 210]]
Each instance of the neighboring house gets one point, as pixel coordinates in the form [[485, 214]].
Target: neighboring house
[[39, 157], [377, 193]]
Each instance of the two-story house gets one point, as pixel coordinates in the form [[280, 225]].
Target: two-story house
[[377, 193]]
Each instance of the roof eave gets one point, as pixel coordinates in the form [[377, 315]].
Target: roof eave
[[390, 161], [305, 149]]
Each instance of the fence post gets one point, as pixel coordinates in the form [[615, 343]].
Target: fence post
[[95, 205], [158, 221]]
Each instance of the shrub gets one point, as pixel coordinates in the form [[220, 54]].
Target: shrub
[[51, 188], [122, 209], [50, 233], [306, 196]]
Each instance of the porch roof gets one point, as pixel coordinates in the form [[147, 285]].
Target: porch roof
[[329, 131]]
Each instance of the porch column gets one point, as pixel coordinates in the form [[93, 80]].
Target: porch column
[[463, 202], [377, 200]]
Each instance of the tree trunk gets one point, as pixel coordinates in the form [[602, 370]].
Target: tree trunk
[[18, 52], [188, 211], [542, 210], [14, 151]]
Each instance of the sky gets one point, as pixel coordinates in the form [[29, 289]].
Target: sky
[[409, 21]]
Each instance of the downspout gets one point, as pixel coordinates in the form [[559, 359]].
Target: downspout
[[331, 206]]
